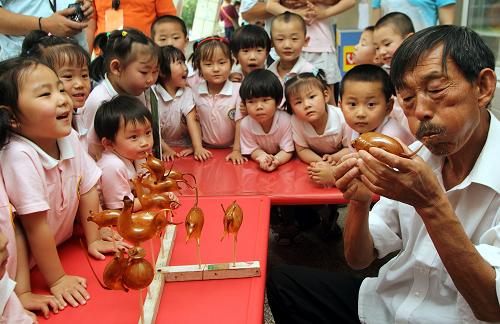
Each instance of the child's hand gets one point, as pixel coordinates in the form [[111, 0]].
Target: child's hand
[[33, 316], [71, 289], [43, 303], [329, 158], [321, 172], [168, 155], [185, 152], [235, 77], [236, 157], [202, 154], [98, 247], [109, 234]]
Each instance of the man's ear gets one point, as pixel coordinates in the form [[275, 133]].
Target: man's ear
[[108, 145], [486, 84], [115, 67]]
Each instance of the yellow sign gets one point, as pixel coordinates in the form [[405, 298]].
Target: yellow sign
[[347, 57]]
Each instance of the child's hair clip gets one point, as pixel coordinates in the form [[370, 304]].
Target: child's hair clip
[[124, 33], [209, 39], [107, 34], [315, 71]]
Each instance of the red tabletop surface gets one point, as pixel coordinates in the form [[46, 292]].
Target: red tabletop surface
[[212, 301], [289, 184]]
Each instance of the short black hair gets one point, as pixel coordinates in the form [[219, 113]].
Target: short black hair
[[168, 19], [399, 21], [369, 73], [369, 28], [122, 107], [461, 44], [288, 16], [261, 83], [168, 54], [249, 36]]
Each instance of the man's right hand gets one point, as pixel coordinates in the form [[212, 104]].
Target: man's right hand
[[60, 25], [347, 174]]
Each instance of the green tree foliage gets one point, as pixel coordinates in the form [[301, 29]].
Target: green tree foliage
[[188, 10]]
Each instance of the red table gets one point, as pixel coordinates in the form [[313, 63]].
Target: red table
[[215, 301], [289, 184]]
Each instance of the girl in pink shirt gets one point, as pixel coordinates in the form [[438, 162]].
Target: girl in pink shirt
[[266, 133], [176, 109], [216, 97], [71, 64], [49, 179]]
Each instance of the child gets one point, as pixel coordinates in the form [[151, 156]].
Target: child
[[364, 51], [390, 31], [319, 130], [250, 46], [11, 309], [319, 50], [170, 30], [123, 125], [366, 100], [288, 35], [266, 133], [216, 97], [177, 112], [58, 179], [71, 64], [129, 65]]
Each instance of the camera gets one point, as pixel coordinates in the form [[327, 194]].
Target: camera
[[78, 15]]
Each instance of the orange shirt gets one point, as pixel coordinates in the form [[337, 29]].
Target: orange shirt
[[138, 14]]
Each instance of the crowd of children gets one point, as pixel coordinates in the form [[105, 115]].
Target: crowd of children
[[77, 128]]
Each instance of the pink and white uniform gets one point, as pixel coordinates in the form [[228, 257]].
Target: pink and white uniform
[[217, 112], [278, 138]]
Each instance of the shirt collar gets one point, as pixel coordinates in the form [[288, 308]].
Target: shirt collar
[[109, 87], [296, 69], [163, 93], [227, 89], [65, 151]]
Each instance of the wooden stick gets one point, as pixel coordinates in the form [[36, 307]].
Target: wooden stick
[[198, 252], [234, 251], [141, 306]]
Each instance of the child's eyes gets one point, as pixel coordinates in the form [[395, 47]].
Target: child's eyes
[[148, 132], [133, 137], [85, 76], [67, 76]]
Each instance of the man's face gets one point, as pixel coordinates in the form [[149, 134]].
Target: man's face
[[443, 109]]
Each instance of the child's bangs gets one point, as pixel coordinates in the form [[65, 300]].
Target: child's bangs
[[208, 50], [136, 117], [302, 86], [66, 55], [252, 40]]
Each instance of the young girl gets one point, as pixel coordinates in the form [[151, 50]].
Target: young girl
[[177, 113], [216, 97], [128, 65], [58, 178], [319, 130], [266, 133], [71, 64]]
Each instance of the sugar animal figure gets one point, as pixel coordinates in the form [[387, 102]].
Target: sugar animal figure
[[194, 224], [233, 217]]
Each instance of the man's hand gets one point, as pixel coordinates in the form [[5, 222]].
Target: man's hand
[[87, 8], [60, 25], [346, 173], [410, 181]]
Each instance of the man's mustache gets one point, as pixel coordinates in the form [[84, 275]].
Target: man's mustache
[[427, 128]]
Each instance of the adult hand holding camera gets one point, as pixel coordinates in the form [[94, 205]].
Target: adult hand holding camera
[[60, 25]]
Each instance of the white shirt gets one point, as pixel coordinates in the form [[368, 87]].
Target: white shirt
[[335, 136], [414, 286]]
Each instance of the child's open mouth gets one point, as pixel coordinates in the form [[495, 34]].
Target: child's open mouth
[[63, 116]]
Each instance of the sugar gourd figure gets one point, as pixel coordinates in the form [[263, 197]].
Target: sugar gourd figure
[[233, 217]]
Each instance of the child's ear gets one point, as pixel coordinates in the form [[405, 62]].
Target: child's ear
[[409, 34], [115, 67], [108, 145], [306, 41], [390, 105], [326, 93]]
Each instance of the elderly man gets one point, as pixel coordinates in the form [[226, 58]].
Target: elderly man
[[440, 209]]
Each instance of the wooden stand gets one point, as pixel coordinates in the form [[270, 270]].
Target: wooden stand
[[164, 273]]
